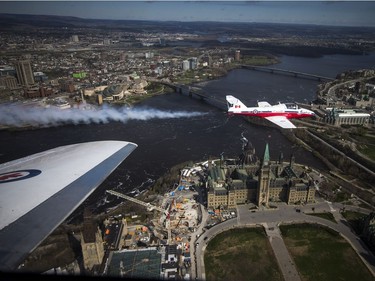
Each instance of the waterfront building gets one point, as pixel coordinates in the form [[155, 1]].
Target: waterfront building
[[8, 82], [258, 182], [338, 117], [113, 92], [32, 92], [24, 72]]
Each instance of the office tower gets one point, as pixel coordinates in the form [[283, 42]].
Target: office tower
[[75, 38], [25, 75], [185, 65], [237, 55]]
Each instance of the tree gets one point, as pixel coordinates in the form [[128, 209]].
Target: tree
[[351, 101]]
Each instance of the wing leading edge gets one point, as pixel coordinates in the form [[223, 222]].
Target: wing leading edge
[[38, 192], [281, 121]]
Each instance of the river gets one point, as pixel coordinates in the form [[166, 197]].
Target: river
[[165, 142]]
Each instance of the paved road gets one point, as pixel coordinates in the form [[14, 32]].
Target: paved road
[[284, 214], [194, 237]]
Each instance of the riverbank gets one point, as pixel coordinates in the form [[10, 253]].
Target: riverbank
[[190, 77]]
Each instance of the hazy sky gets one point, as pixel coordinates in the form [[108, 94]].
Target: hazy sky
[[349, 13]]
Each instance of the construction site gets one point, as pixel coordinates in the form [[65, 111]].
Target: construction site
[[160, 249]]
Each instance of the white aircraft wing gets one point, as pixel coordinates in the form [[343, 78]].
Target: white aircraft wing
[[281, 121], [38, 192]]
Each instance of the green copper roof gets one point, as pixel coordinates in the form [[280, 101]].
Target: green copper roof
[[266, 157]]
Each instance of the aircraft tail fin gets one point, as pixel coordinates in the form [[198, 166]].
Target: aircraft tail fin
[[234, 103]]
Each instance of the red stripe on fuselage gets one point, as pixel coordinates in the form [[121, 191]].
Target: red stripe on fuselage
[[288, 115]]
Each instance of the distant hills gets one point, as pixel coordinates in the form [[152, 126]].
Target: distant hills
[[16, 21], [288, 39]]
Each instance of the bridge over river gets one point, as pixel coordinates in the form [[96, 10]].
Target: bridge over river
[[194, 91], [287, 72], [199, 92]]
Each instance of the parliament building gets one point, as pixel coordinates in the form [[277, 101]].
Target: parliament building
[[257, 181]]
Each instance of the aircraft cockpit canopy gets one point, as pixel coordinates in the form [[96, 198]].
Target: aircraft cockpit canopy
[[291, 105]]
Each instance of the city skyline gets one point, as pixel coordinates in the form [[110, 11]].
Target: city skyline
[[335, 13]]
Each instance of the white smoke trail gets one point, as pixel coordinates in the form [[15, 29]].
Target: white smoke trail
[[19, 116]]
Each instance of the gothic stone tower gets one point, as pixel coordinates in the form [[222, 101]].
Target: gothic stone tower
[[264, 177]]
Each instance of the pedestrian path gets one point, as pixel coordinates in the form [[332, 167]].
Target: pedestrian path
[[331, 207], [282, 255]]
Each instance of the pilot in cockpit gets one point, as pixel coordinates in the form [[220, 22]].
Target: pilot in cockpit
[[291, 105]]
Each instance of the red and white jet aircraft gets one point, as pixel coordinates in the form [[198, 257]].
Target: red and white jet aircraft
[[277, 114]]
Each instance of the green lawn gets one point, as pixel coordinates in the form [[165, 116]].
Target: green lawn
[[327, 216], [366, 145], [241, 254], [354, 219], [322, 254], [369, 151], [258, 60]]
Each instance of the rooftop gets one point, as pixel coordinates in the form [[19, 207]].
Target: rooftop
[[141, 263]]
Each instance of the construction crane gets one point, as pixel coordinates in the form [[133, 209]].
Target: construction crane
[[149, 208], [147, 205]]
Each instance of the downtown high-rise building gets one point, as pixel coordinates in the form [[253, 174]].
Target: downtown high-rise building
[[25, 75], [237, 55], [75, 38]]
